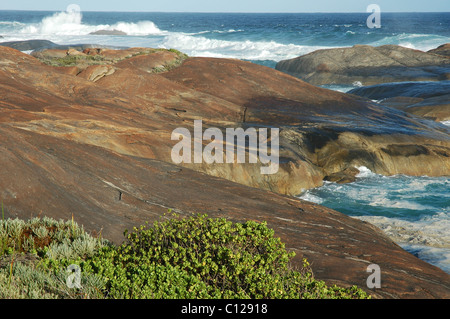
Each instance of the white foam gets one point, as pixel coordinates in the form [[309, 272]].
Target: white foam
[[250, 50], [139, 28], [423, 42], [365, 172], [307, 196], [428, 238], [446, 122], [70, 23], [380, 200], [429, 231]]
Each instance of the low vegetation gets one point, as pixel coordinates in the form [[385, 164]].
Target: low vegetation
[[191, 257], [83, 60]]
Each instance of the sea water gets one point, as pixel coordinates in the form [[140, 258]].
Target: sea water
[[413, 211]]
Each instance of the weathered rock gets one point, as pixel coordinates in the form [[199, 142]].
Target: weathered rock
[[101, 150], [74, 52], [96, 72], [92, 51], [79, 47], [109, 192], [321, 130], [443, 50], [408, 89], [426, 99], [158, 60], [108, 32], [368, 65], [49, 53], [28, 44], [346, 176]]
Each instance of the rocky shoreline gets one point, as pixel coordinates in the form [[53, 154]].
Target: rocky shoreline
[[91, 135]]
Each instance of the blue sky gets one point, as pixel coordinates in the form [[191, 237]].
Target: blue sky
[[232, 5]]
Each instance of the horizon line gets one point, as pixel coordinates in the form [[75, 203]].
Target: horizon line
[[240, 12]]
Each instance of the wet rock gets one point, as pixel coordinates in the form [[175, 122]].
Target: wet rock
[[346, 176], [407, 89], [426, 99]]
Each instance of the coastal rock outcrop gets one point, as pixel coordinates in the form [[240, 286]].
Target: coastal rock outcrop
[[427, 99], [368, 65], [108, 32], [442, 50], [101, 150], [28, 45]]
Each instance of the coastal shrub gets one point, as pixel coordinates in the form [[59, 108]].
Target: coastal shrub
[[47, 236], [34, 256], [200, 257], [86, 60], [29, 281], [183, 258]]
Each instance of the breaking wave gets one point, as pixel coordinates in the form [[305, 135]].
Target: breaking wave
[[70, 23]]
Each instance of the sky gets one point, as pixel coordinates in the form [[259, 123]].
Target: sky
[[231, 5]]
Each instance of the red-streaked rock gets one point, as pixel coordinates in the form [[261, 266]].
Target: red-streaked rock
[[101, 151]]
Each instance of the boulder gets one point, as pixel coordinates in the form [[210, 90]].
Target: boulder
[[74, 52], [368, 65], [96, 72], [92, 51], [108, 32]]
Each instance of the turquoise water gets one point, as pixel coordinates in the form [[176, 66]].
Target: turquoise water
[[414, 211]]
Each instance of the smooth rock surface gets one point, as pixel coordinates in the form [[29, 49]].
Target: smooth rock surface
[[28, 44], [108, 32], [368, 65], [102, 152], [426, 99], [443, 50]]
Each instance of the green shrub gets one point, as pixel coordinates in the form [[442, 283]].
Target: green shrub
[[199, 257], [194, 257]]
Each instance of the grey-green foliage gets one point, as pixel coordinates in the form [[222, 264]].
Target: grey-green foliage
[[48, 246], [26, 281], [58, 239], [81, 246]]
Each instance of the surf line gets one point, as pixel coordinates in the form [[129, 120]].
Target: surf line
[[253, 140]]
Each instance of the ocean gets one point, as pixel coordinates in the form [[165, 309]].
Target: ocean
[[413, 211]]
